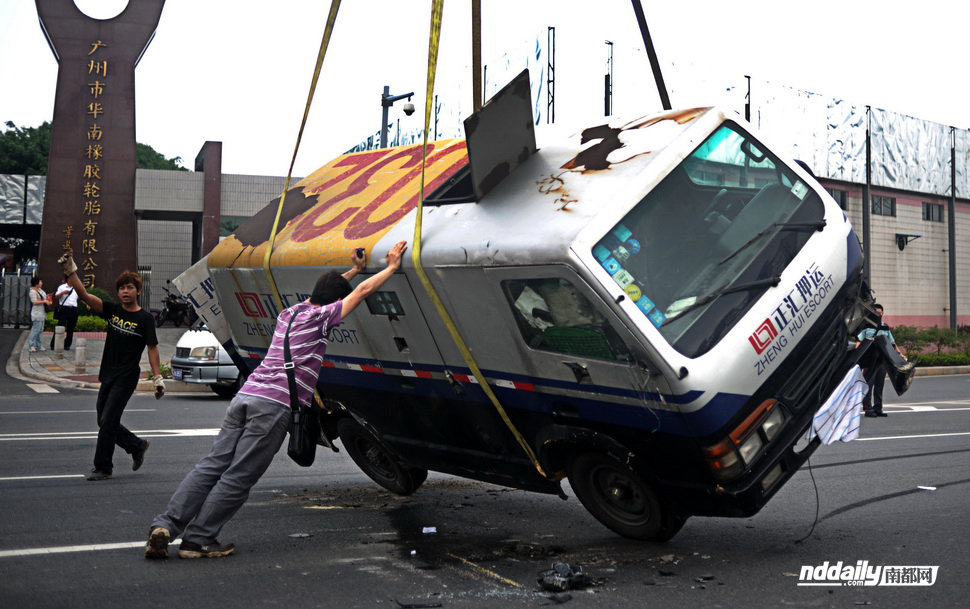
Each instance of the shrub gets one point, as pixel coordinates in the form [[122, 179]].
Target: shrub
[[85, 323], [164, 367], [944, 359], [910, 339], [942, 338], [82, 308], [91, 323]]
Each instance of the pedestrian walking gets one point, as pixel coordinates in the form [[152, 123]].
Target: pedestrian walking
[[872, 403], [130, 330]]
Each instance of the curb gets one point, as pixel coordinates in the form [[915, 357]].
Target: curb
[[941, 370], [24, 369]]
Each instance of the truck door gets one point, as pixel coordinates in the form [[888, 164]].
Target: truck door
[[574, 345]]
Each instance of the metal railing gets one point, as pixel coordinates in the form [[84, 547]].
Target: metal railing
[[14, 303]]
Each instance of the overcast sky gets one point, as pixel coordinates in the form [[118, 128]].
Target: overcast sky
[[238, 71]]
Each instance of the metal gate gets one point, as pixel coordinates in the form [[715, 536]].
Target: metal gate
[[14, 304]]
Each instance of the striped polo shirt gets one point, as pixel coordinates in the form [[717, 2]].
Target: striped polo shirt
[[308, 345]]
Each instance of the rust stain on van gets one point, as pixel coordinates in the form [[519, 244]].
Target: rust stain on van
[[596, 157], [553, 184]]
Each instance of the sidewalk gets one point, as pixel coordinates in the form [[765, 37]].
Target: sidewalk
[[48, 367]]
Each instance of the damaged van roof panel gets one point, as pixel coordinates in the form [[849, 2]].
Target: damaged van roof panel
[[356, 199]]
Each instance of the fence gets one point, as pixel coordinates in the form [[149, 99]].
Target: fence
[[14, 304]]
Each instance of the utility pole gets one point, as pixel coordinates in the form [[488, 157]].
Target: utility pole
[[608, 81], [387, 100]]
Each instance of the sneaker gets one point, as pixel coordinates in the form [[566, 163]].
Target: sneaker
[[881, 414], [138, 457], [871, 413], [97, 474], [187, 549], [157, 546], [33, 349]]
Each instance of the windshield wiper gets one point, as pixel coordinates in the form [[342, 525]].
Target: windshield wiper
[[727, 288], [817, 226]]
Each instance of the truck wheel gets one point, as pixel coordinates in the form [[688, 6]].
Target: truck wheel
[[227, 391], [620, 499], [376, 461]]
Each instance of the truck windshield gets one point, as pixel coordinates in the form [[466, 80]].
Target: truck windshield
[[718, 231]]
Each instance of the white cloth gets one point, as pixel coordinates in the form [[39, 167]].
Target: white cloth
[[840, 415]]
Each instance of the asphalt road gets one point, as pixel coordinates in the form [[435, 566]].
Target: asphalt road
[[328, 537]]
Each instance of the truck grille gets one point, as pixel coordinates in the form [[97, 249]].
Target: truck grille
[[817, 365]]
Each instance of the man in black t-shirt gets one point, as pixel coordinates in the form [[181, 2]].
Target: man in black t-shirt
[[130, 330]]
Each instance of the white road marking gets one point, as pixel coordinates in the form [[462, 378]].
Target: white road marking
[[90, 435], [42, 388], [40, 477], [934, 403], [85, 548], [926, 435], [906, 408], [85, 412]]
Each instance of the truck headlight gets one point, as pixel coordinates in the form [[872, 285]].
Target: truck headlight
[[204, 353], [729, 457], [750, 447]]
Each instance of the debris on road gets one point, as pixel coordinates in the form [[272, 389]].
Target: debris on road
[[563, 576]]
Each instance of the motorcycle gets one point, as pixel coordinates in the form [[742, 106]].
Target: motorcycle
[[175, 308]]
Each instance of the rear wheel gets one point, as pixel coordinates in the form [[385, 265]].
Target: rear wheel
[[160, 319], [380, 465], [622, 500]]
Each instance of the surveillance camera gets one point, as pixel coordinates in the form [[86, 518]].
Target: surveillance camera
[[409, 108]]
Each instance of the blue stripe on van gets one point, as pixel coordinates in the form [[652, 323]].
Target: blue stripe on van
[[590, 407]]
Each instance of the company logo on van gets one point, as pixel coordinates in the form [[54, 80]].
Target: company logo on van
[[763, 336], [782, 327]]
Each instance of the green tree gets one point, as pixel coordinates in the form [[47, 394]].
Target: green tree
[[25, 150], [148, 158]]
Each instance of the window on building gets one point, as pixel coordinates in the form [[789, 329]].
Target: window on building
[[932, 212], [841, 197], [883, 206]]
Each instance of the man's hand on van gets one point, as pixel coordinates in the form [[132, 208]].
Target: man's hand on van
[[394, 256], [359, 258]]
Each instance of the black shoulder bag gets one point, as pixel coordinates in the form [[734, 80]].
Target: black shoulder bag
[[59, 303], [305, 422]]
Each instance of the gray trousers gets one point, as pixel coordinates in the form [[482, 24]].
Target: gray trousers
[[212, 493]]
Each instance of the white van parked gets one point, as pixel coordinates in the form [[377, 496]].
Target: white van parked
[[199, 358]]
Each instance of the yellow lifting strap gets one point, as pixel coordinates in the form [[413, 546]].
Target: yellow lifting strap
[[324, 43], [436, 11]]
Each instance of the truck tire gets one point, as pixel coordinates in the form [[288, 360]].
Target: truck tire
[[380, 465], [620, 499]]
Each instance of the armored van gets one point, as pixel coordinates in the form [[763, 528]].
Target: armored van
[[654, 309]]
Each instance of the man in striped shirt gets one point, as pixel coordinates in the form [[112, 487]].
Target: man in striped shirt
[[258, 418]]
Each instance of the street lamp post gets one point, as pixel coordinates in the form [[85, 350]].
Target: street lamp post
[[387, 100]]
